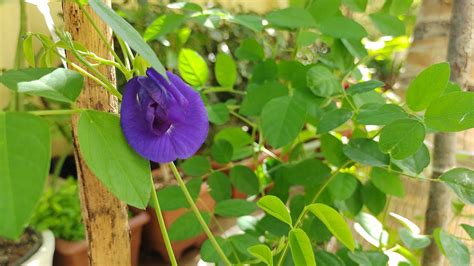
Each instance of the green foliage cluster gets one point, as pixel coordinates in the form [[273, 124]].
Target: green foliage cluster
[[59, 210]]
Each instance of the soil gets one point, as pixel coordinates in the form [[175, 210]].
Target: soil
[[14, 252]]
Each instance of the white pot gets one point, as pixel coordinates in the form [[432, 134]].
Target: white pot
[[44, 255]]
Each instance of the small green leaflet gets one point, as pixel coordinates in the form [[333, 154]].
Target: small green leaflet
[[427, 86], [461, 180], [451, 112], [276, 208], [301, 249], [402, 138], [334, 222]]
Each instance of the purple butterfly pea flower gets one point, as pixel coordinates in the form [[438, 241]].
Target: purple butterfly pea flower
[[163, 120]]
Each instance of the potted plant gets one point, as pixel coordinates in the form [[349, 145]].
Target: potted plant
[[59, 210]]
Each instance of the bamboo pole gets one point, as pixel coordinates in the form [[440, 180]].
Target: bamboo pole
[[105, 217]]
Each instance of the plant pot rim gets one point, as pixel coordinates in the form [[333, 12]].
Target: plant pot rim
[[33, 250], [68, 247]]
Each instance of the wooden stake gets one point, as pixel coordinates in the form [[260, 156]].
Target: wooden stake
[[105, 217]]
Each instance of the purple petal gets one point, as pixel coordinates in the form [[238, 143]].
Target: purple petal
[[186, 113]]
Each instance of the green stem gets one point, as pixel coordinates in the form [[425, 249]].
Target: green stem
[[250, 123], [162, 224], [16, 103], [56, 112], [101, 36], [198, 215]]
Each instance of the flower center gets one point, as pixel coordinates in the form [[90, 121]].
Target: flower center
[[158, 120]]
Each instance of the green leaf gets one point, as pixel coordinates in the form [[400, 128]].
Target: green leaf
[[451, 112], [282, 120], [333, 119], [369, 228], [297, 3], [400, 7], [106, 152], [239, 139], [342, 186], [416, 163], [461, 180], [294, 72], [388, 182], [355, 48], [196, 166], [356, 5], [240, 244], [209, 254], [306, 38], [452, 87], [191, 223], [366, 151], [413, 241], [427, 86], [222, 151], [259, 95], [380, 114], [365, 86], [323, 9], [163, 25], [301, 249], [25, 150], [334, 222], [217, 113], [369, 258], [225, 70], [235, 208], [53, 83], [331, 147], [291, 18], [250, 50], [126, 32], [275, 207], [172, 198], [373, 198], [342, 28], [192, 67], [308, 172], [244, 180], [250, 21], [469, 230], [265, 71], [402, 138], [322, 81], [324, 258], [388, 24], [263, 253], [28, 50], [355, 202], [220, 187], [454, 249]]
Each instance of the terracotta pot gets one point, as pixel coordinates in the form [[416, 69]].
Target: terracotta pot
[[74, 253], [153, 238]]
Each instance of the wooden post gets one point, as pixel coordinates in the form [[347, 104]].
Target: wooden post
[[105, 216], [444, 155]]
